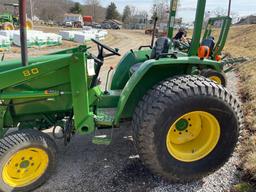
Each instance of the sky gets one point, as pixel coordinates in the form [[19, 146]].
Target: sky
[[187, 9]]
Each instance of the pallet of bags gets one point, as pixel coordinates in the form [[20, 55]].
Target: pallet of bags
[[5, 43], [69, 35], [54, 39], [33, 38], [101, 34], [38, 39], [7, 33], [41, 39], [84, 37]]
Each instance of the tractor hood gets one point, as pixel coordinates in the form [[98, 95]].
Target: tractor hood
[[13, 64]]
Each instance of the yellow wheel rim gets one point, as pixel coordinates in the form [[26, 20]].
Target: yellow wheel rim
[[216, 79], [29, 25], [193, 136], [9, 27], [25, 167]]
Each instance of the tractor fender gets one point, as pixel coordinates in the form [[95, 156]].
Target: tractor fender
[[141, 81]]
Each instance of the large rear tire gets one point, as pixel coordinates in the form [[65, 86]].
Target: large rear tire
[[186, 128], [27, 159]]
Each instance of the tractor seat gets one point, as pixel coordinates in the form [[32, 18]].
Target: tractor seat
[[161, 46]]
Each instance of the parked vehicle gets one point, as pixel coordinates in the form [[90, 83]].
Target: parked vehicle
[[96, 25], [106, 26], [115, 26], [73, 20]]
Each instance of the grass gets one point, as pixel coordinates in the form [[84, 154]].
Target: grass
[[248, 148], [242, 42]]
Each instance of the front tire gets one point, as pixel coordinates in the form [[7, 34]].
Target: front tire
[[186, 128], [27, 159]]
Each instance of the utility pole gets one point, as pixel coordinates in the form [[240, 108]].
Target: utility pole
[[23, 32], [31, 9], [93, 10], [229, 8]]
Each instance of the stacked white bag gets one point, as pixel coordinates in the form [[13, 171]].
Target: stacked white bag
[[84, 35], [68, 35], [5, 42], [101, 34], [7, 33], [31, 41], [38, 39], [54, 39]]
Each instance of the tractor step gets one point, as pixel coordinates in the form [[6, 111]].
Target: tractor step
[[101, 140], [104, 119]]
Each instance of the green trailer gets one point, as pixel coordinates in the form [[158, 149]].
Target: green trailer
[[185, 126]]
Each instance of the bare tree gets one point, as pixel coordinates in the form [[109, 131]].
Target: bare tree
[[45, 9], [220, 12], [224, 12], [94, 9], [56, 9], [160, 9], [126, 14], [93, 4], [235, 17]]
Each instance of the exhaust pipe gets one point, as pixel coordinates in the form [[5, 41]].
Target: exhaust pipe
[[229, 8], [23, 32]]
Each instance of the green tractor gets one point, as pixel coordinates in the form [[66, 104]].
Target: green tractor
[[185, 126], [10, 21]]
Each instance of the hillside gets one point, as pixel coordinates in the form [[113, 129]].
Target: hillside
[[241, 42], [55, 10]]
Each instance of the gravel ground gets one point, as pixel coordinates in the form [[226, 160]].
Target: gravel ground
[[84, 166]]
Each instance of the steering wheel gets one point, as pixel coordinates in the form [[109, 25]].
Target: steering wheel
[[102, 46], [185, 45]]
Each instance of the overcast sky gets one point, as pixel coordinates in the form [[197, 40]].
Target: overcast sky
[[242, 7]]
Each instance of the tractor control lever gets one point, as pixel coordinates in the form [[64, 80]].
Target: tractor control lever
[[133, 54], [106, 86], [2, 57], [145, 46]]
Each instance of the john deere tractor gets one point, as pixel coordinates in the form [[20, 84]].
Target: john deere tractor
[[10, 21], [185, 125]]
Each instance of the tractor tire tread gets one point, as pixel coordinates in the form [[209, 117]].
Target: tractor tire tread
[[15, 139], [173, 89]]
